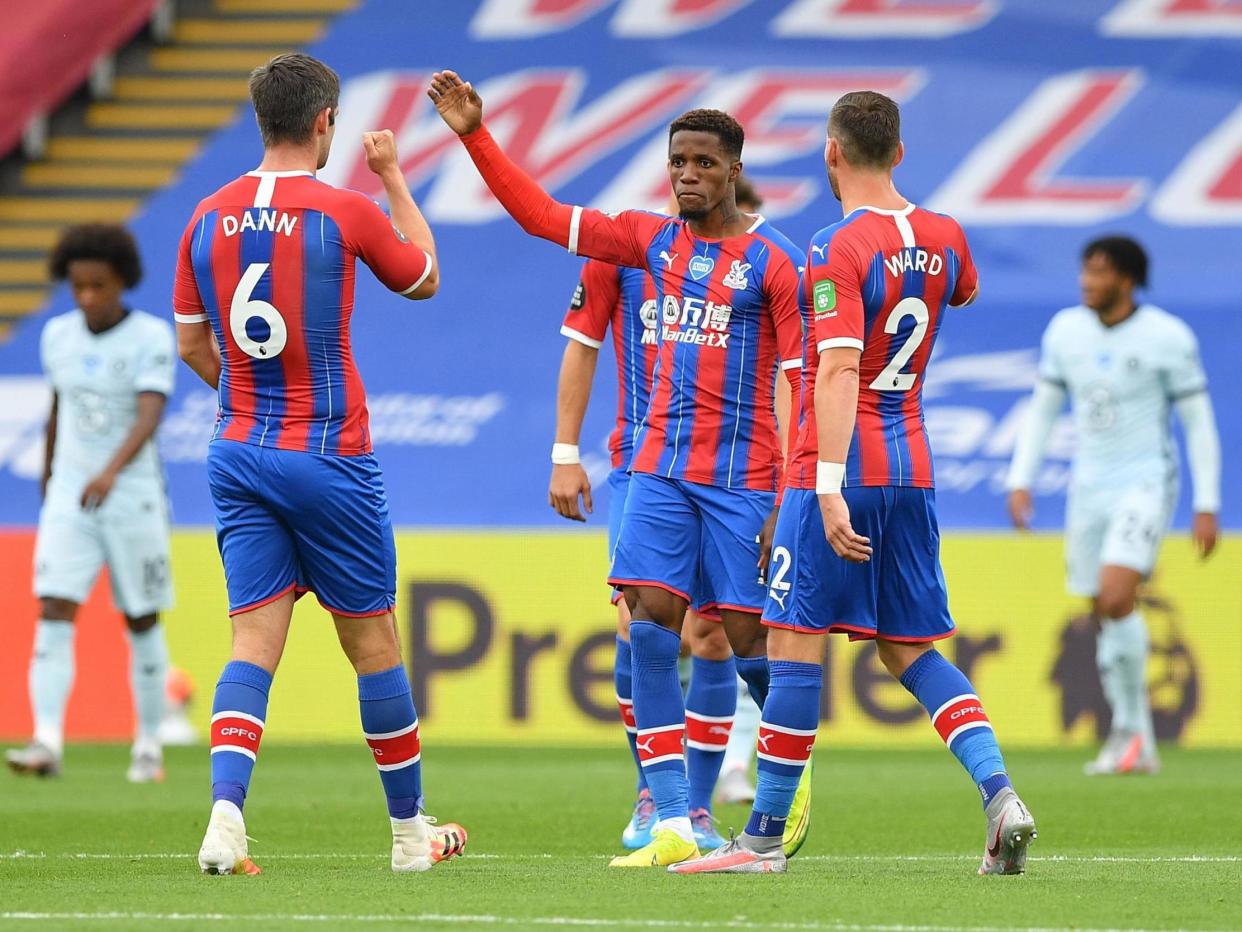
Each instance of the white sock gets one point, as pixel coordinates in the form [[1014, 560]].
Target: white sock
[[148, 676], [51, 679], [1122, 656], [680, 825], [741, 746]]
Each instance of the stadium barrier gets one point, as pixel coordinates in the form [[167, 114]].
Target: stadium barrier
[[511, 634]]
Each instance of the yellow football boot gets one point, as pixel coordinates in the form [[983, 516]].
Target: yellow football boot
[[666, 847]]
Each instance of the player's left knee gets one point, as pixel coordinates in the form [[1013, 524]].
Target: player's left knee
[[140, 623], [1115, 603], [897, 655]]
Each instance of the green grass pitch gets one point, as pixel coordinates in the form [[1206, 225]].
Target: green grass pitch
[[895, 840]]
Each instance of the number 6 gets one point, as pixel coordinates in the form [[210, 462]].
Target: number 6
[[244, 308]]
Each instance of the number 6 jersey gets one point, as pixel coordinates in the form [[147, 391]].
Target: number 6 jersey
[[879, 281], [269, 261]]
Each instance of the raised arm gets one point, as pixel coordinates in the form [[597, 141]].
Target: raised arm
[[617, 240]]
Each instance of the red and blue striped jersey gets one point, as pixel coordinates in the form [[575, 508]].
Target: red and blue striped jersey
[[623, 299], [729, 320], [269, 261], [879, 281]]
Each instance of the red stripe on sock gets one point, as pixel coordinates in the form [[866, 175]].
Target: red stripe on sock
[[713, 734], [656, 744], [236, 732], [773, 743], [393, 751], [964, 711], [627, 713]]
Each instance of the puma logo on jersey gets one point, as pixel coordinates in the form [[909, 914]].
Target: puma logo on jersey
[[820, 251], [668, 258]]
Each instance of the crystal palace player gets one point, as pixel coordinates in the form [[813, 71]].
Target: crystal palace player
[[708, 463], [264, 296], [879, 281], [623, 300]]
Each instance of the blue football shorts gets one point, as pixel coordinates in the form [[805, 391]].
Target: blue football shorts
[[291, 521], [695, 541], [898, 595]]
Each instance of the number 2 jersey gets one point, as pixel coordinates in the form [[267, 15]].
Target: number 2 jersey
[[269, 260], [878, 281]]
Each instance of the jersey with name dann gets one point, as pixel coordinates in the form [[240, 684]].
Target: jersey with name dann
[[729, 320], [623, 300], [878, 281], [97, 378], [1121, 381], [269, 260]]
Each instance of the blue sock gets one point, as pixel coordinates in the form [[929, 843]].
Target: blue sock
[[786, 736], [238, 713], [660, 715], [754, 670], [623, 679], [958, 716], [391, 727], [710, 705]]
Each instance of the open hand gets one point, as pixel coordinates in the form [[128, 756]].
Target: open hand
[[97, 490], [1021, 510], [568, 482], [1204, 532], [840, 533], [381, 149], [456, 102]]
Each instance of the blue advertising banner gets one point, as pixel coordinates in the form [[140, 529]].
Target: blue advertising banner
[[1038, 125]]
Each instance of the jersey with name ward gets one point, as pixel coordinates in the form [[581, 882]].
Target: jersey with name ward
[[729, 315], [623, 300], [910, 264], [269, 260]]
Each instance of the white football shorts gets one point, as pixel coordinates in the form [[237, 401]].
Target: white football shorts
[[1114, 527], [129, 533]]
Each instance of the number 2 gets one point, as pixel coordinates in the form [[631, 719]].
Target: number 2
[[244, 308], [892, 379]]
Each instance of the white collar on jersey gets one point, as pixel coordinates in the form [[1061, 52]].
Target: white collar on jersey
[[904, 212], [754, 226], [293, 174]]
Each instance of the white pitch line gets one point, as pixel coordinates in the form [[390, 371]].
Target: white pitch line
[[843, 858], [493, 920]]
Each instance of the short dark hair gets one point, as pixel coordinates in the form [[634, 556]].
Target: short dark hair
[[745, 193], [288, 93], [868, 126], [105, 242], [728, 130], [1123, 253]]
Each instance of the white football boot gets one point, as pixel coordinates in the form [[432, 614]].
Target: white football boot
[[418, 844], [224, 849], [1011, 829], [35, 758]]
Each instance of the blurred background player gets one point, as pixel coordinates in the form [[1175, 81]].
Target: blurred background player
[[111, 371], [624, 299], [263, 300], [878, 282], [1123, 365], [709, 458]]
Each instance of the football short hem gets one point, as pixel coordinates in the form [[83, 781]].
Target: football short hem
[[370, 613], [615, 597], [251, 606], [707, 613], [715, 608], [614, 581], [856, 633]]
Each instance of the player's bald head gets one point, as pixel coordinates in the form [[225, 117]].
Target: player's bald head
[[867, 126], [288, 93]]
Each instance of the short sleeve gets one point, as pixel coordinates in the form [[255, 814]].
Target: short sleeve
[[374, 238], [618, 239], [967, 275], [1051, 368], [1183, 373], [156, 369], [187, 302], [834, 289], [594, 300], [782, 292]]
